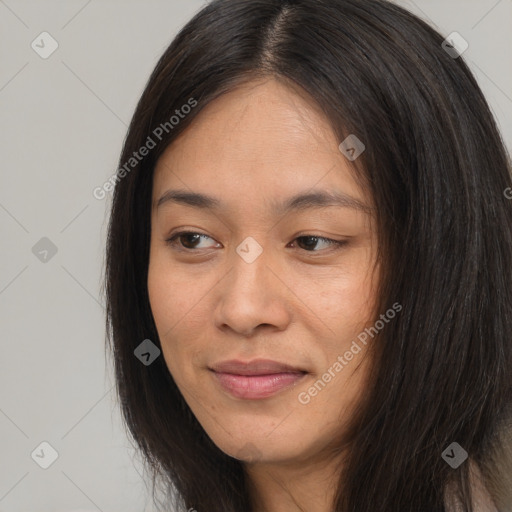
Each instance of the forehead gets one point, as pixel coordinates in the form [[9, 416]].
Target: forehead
[[263, 137]]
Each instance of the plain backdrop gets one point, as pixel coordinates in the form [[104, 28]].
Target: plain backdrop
[[63, 120]]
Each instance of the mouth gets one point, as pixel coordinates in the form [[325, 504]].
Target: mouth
[[255, 380]]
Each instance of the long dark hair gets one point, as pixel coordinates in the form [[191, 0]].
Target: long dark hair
[[436, 167]]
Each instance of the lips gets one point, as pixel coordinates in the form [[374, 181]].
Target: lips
[[257, 379], [255, 367]]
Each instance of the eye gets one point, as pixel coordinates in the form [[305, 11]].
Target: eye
[[188, 240], [309, 242]]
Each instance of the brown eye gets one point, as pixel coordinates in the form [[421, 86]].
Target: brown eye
[[309, 242], [186, 240]]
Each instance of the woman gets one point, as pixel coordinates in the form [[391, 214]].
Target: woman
[[309, 266]]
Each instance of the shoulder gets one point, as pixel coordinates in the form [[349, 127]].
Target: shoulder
[[498, 470], [483, 501], [491, 483]]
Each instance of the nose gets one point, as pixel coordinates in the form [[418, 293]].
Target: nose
[[253, 297]]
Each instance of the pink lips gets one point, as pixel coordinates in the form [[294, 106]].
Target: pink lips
[[256, 379]]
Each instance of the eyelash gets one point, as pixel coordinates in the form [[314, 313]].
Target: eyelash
[[335, 244]]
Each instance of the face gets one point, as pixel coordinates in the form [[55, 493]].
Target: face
[[255, 272]]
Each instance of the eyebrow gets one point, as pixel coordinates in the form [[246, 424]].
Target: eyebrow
[[299, 202]]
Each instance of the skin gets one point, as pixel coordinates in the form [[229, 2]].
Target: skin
[[299, 303]]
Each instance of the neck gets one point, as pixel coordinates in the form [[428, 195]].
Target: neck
[[295, 486]]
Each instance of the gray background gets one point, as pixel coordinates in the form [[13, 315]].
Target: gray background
[[63, 120]]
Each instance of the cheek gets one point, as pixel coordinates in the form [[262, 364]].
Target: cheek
[[359, 298], [168, 304], [359, 292], [344, 299], [172, 293], [165, 303], [177, 301]]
